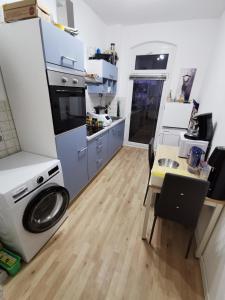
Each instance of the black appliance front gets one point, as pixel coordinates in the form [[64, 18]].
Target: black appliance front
[[46, 209], [68, 107], [205, 128], [217, 175]]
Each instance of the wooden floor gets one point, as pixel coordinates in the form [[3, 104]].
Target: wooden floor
[[98, 252]]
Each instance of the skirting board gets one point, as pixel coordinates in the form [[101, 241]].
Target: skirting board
[[204, 278]]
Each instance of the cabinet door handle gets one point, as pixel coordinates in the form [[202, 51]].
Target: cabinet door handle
[[82, 150], [68, 58], [99, 161], [99, 140], [99, 148]]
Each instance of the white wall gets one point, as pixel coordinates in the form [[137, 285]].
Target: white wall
[[213, 100], [213, 91], [194, 41], [93, 32]]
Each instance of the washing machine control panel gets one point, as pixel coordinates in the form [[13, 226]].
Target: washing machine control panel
[[21, 191]]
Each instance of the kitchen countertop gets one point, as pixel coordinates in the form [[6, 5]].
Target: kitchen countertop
[[114, 123]]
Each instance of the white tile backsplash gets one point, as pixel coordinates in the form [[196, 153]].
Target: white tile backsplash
[[9, 142]]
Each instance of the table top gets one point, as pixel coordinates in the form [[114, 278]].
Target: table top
[[164, 151], [158, 172]]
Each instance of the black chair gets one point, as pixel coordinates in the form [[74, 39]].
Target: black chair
[[151, 158], [180, 200]]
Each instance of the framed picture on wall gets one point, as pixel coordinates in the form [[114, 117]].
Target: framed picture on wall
[[186, 79]]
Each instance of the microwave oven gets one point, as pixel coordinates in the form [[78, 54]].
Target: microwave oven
[[185, 145]]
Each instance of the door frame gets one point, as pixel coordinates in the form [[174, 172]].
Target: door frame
[[152, 47]]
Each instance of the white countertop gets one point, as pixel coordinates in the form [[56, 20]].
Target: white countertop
[[114, 123]]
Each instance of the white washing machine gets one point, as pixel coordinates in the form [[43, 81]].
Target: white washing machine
[[33, 201]]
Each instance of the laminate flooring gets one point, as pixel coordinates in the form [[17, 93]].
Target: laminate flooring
[[98, 252]]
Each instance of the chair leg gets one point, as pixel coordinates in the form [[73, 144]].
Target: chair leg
[[189, 244], [152, 231], [146, 193]]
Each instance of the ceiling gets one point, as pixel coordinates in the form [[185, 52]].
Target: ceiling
[[128, 12]]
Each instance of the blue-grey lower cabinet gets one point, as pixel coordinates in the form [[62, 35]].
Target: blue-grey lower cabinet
[[116, 135], [72, 152], [97, 154], [121, 128], [102, 148]]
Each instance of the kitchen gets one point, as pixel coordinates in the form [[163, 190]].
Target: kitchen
[[119, 176]]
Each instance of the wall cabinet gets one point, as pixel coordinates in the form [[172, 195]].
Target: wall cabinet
[[102, 68], [72, 152], [61, 48], [107, 87], [108, 74]]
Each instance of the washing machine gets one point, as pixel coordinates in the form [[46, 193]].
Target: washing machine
[[33, 202]]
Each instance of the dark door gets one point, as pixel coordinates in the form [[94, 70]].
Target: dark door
[[46, 209], [145, 109]]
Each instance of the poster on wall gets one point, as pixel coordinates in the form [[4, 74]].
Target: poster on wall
[[186, 79]]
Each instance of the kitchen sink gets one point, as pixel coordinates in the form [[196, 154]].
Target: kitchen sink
[[168, 163]]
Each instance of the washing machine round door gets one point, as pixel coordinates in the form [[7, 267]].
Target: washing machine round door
[[46, 209]]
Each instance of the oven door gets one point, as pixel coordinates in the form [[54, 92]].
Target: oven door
[[68, 107]]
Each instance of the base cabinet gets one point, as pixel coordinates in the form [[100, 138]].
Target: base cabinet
[[72, 152], [102, 148], [116, 135], [81, 160], [97, 154]]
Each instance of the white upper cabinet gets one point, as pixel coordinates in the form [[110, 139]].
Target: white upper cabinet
[[177, 114], [102, 68], [61, 48]]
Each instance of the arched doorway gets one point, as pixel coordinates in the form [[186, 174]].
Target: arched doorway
[[148, 87]]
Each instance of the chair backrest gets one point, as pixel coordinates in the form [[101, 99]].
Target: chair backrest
[[181, 199], [151, 155]]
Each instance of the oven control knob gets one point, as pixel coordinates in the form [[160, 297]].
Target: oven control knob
[[64, 79], [75, 81], [40, 179]]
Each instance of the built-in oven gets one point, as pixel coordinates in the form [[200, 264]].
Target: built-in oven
[[67, 96]]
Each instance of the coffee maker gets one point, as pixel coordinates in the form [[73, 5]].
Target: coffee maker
[[217, 174], [200, 128]]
